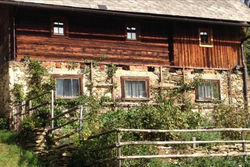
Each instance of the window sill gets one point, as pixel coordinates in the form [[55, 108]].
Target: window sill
[[59, 36], [66, 98], [206, 100], [206, 46], [136, 99]]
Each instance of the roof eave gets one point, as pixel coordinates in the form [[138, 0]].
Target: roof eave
[[129, 14]]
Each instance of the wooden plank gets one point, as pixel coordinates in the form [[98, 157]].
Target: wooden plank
[[39, 106], [101, 134], [128, 60], [65, 112], [184, 156], [82, 42], [162, 143], [186, 130], [187, 51], [67, 123]]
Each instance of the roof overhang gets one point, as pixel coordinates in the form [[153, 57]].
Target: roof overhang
[[128, 14]]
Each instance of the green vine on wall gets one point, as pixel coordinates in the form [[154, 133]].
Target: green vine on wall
[[111, 70], [39, 81], [72, 65], [18, 93]]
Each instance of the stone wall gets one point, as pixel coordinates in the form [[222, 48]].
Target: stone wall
[[4, 90], [96, 77]]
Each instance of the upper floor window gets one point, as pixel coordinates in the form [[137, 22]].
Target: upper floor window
[[135, 88], [209, 90], [131, 33], [205, 37], [58, 27]]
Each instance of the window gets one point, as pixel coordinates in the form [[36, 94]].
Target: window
[[135, 88], [58, 27], [209, 90], [205, 37], [131, 33], [68, 87]]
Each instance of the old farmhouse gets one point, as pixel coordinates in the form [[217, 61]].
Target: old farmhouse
[[153, 43]]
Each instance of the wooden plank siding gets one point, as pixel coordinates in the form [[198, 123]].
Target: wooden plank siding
[[90, 37], [223, 54]]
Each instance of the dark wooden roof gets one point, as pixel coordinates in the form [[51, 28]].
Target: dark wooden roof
[[227, 10]]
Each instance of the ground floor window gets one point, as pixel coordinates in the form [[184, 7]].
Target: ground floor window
[[209, 90], [68, 86], [135, 88]]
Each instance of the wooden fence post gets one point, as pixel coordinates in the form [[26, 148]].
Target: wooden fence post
[[243, 144], [194, 139], [15, 111], [52, 108], [80, 122], [23, 109], [30, 106], [119, 149]]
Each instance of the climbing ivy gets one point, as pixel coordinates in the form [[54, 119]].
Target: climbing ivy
[[39, 82], [39, 79], [18, 93], [111, 70]]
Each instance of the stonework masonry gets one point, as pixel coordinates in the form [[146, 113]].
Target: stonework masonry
[[95, 81], [4, 90]]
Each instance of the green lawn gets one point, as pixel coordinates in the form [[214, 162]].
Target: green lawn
[[13, 155]]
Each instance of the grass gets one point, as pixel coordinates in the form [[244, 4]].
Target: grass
[[204, 162], [13, 155]]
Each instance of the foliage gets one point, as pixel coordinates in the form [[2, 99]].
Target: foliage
[[72, 65], [111, 70], [13, 155], [92, 111], [18, 93], [202, 136], [211, 162], [167, 114], [26, 126], [226, 116], [39, 81], [99, 117], [4, 123]]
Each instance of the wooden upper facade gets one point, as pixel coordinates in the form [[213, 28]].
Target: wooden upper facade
[[89, 36]]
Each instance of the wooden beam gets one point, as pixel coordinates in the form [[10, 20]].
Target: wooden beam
[[185, 156], [186, 130], [161, 143]]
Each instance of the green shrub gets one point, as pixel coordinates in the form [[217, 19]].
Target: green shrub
[[214, 162], [165, 115], [202, 136], [226, 116], [4, 123], [18, 93], [26, 126]]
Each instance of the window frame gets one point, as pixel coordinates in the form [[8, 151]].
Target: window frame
[[136, 79], [65, 26], [79, 77], [137, 31], [209, 30], [217, 84]]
